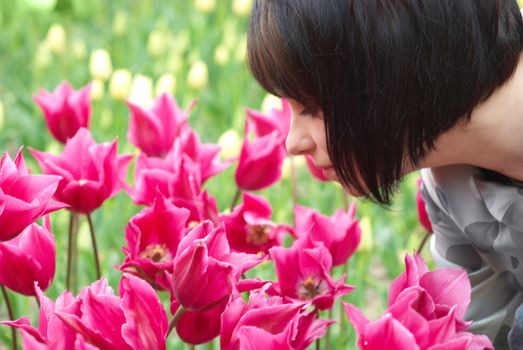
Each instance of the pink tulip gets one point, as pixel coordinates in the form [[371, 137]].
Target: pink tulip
[[91, 172], [422, 209], [426, 310], [52, 333], [249, 228], [31, 258], [65, 110], [198, 327], [340, 233], [152, 238], [154, 130], [205, 270], [136, 320], [269, 323], [260, 162], [23, 197], [314, 170], [177, 179], [277, 119], [303, 275], [206, 157]]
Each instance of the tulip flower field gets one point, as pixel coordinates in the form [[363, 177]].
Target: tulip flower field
[[147, 200]]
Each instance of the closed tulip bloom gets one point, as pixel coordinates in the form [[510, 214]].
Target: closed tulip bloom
[[260, 162], [154, 130], [65, 110], [314, 170], [152, 238], [205, 270], [303, 275], [31, 257], [340, 233], [91, 173], [23, 197]]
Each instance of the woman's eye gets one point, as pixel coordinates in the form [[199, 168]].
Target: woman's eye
[[307, 112]]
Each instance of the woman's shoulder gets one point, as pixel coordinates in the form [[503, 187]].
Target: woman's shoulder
[[471, 194]]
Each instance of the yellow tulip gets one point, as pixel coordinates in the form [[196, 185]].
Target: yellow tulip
[[241, 7], [1, 115], [166, 83], [231, 144], [100, 65], [141, 90], [97, 89], [79, 49], [120, 84], [205, 6], [42, 57], [221, 55], [156, 43], [120, 23], [367, 235], [56, 38], [198, 75], [269, 102]]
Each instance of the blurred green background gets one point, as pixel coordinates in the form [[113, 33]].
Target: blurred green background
[[194, 50]]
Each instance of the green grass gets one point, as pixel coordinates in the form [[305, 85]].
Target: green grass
[[122, 28]]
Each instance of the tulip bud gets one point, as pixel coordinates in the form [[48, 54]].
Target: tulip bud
[[205, 6], [230, 143], [156, 43], [241, 7], [241, 50], [141, 90], [56, 38], [270, 102], [520, 3], [165, 84], [286, 169], [42, 57], [41, 5], [1, 115], [367, 240], [120, 23], [198, 75], [79, 49], [120, 84], [100, 65], [221, 55], [97, 90]]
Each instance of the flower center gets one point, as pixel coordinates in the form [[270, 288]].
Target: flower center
[[157, 253], [310, 287], [258, 234]]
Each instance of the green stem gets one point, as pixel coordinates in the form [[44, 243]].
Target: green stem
[[425, 239], [70, 251], [192, 346], [317, 344], [235, 199], [177, 315], [95, 249], [210, 345], [11, 316], [294, 188], [328, 336]]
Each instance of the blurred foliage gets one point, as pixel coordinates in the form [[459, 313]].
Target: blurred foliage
[[198, 47]]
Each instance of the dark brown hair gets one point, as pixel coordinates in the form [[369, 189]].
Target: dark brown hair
[[389, 75]]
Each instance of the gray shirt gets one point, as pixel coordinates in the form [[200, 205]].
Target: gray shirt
[[478, 226]]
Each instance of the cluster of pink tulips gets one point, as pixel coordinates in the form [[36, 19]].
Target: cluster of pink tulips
[[205, 259]]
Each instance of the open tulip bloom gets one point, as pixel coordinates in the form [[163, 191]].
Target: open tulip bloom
[[426, 310], [153, 131], [65, 110], [134, 320], [249, 228], [278, 120], [152, 238], [23, 197], [91, 173]]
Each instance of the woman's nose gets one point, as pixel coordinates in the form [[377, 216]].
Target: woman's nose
[[299, 141]]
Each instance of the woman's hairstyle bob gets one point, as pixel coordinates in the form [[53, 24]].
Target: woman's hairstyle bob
[[390, 76]]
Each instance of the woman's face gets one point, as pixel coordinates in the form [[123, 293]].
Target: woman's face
[[307, 137]]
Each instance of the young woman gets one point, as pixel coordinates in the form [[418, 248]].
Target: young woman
[[381, 88]]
